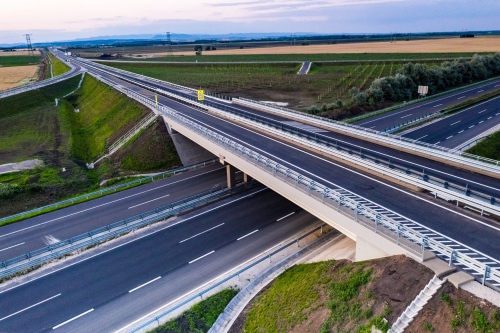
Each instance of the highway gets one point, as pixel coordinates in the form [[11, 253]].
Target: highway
[[37, 232], [436, 215], [483, 184], [454, 130], [123, 284], [433, 105]]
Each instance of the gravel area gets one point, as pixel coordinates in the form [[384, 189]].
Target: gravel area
[[483, 292], [24, 165]]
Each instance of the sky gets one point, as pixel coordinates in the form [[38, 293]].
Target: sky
[[53, 20]]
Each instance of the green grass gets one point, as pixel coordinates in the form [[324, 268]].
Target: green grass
[[19, 60], [285, 304], [58, 67], [104, 116], [489, 147], [33, 127], [201, 316], [308, 57], [30, 122]]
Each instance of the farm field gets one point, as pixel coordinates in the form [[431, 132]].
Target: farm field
[[326, 83], [18, 69], [20, 60], [11, 77], [446, 45], [17, 52]]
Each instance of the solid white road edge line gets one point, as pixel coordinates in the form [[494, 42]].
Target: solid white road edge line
[[10, 247], [144, 284], [74, 318], [348, 169], [203, 256], [200, 287], [145, 202], [130, 241], [104, 204], [284, 217], [201, 233], [29, 307], [253, 232]]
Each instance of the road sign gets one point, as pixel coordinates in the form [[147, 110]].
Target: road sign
[[156, 99], [423, 90], [201, 95]]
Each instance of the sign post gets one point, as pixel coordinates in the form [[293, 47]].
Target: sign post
[[201, 95]]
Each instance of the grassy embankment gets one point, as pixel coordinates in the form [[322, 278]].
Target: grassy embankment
[[201, 316], [335, 296], [326, 83], [58, 67], [489, 147], [36, 128]]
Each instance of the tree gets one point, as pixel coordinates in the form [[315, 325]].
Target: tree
[[198, 48]]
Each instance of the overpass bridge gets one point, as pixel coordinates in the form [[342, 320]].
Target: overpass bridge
[[383, 218]]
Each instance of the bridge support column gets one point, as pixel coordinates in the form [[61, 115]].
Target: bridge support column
[[231, 173], [246, 178], [367, 251]]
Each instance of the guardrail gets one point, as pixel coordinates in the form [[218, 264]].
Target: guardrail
[[108, 190], [40, 84], [199, 294], [439, 187], [399, 106], [96, 236], [443, 189], [407, 234], [479, 162], [344, 127]]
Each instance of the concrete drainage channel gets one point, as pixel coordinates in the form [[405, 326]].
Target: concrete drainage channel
[[250, 277], [30, 261]]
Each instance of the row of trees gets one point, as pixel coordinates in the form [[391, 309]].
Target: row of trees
[[403, 85]]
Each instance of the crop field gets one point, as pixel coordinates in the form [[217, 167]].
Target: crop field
[[19, 60], [325, 83], [11, 77]]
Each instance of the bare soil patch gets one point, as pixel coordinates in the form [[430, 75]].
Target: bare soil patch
[[11, 77], [444, 314], [446, 45]]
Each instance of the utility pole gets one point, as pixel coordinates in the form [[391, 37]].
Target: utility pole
[[28, 42], [169, 44]]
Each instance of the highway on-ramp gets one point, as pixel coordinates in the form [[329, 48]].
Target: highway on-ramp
[[399, 116], [117, 287], [453, 131]]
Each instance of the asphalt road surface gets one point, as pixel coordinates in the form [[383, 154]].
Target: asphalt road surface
[[119, 286], [434, 105], [453, 131], [37, 232], [460, 225]]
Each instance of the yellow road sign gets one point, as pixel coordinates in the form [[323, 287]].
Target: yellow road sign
[[201, 95], [156, 100]]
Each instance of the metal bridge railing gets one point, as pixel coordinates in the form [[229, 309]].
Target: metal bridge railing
[[357, 208], [479, 162]]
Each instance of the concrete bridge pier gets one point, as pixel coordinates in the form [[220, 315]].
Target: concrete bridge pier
[[246, 177]]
